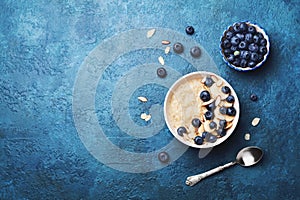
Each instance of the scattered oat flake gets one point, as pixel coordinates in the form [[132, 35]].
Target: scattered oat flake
[[143, 99], [147, 118], [144, 116], [165, 42], [150, 33], [247, 136], [255, 121], [161, 60], [167, 49]]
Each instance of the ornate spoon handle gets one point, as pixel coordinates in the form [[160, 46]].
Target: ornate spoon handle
[[192, 180]]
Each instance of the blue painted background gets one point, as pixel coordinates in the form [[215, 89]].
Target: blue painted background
[[44, 42]]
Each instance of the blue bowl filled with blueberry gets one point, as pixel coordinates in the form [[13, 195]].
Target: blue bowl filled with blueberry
[[245, 46]]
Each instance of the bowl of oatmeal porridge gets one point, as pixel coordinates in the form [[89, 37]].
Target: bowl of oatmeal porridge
[[201, 109]]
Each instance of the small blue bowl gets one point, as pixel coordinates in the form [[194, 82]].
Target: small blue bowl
[[247, 68]]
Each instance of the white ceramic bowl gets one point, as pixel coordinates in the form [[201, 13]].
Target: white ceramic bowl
[[181, 106]]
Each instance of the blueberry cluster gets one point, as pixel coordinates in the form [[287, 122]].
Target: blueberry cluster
[[243, 45]]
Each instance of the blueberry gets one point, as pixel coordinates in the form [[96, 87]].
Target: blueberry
[[221, 132], [222, 123], [209, 115], [243, 63], [211, 106], [231, 111], [236, 27], [228, 35], [236, 62], [260, 35], [225, 89], [204, 134], [260, 58], [196, 51], [163, 157], [205, 96], [190, 30], [243, 27], [161, 72], [196, 122], [245, 55], [263, 42], [235, 41], [212, 125], [230, 58], [178, 47], [249, 37], [252, 64], [211, 138], [230, 99], [242, 45], [181, 130], [240, 36], [233, 48], [198, 140], [223, 110], [256, 39], [262, 50], [227, 52], [253, 97], [253, 47], [251, 29], [226, 44], [208, 82], [254, 56]]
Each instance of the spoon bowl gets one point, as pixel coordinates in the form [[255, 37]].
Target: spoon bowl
[[246, 157]]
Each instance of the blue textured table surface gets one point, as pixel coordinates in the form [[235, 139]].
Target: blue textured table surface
[[71, 72]]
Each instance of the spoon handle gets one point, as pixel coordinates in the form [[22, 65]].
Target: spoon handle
[[192, 180]]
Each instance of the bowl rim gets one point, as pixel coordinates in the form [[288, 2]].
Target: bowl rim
[[208, 144], [259, 29]]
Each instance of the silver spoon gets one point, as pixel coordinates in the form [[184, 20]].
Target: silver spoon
[[246, 157]]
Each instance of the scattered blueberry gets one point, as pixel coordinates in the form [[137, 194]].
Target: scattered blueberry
[[223, 110], [231, 111], [235, 41], [211, 106], [230, 99], [181, 130], [190, 30], [196, 122], [209, 115], [212, 125], [204, 134], [163, 157], [198, 140], [225, 89], [161, 72], [195, 52], [222, 123], [205, 96], [221, 132], [211, 138], [253, 97], [178, 47], [208, 82]]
